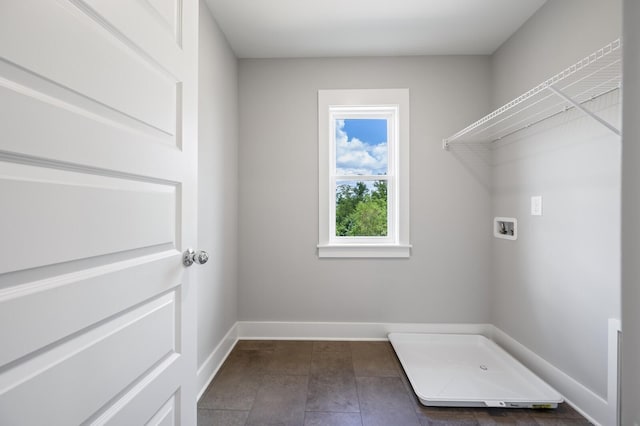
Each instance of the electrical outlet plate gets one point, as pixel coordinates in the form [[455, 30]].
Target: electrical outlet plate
[[536, 205]]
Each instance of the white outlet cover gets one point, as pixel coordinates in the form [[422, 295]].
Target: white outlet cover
[[536, 205]]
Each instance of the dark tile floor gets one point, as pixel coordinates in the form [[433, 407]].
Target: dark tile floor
[[337, 384]]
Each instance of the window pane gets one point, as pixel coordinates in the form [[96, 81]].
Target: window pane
[[361, 208], [361, 146]]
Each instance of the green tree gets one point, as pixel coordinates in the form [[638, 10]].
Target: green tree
[[381, 190], [347, 199], [360, 212], [369, 219]]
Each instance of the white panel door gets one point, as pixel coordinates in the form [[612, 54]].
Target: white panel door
[[98, 117]]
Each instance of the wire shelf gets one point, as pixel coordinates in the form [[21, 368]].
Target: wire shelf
[[594, 76]]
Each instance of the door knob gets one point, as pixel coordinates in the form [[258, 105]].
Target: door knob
[[190, 256]]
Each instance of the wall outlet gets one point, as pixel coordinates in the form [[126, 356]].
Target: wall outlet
[[536, 205]]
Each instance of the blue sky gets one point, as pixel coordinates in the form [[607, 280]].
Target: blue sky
[[370, 131], [361, 147]]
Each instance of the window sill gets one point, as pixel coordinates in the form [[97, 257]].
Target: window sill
[[365, 250]]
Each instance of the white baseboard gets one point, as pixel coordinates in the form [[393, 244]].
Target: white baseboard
[[595, 408], [613, 372], [276, 330], [214, 361]]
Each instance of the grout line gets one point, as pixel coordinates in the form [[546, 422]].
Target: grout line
[[355, 382], [235, 410], [306, 400]]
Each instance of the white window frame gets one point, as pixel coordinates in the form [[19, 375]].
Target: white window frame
[[392, 104], [390, 114]]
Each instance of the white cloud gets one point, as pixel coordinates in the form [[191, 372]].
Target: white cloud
[[354, 157]]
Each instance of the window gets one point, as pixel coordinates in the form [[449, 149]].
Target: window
[[364, 173]]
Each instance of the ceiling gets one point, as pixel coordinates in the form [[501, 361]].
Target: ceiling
[[327, 28]]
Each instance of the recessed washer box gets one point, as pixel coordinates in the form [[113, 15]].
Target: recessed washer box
[[505, 227]]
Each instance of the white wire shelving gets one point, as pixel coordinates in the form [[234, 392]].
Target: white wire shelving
[[594, 76]]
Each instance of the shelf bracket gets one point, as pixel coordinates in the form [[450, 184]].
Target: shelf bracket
[[584, 110]]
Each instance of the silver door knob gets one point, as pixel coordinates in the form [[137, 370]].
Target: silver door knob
[[190, 256]]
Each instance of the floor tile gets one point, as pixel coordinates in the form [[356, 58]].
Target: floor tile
[[547, 421], [451, 422], [496, 416], [291, 358], [373, 359], [280, 401], [332, 393], [395, 359], [221, 417], [510, 421], [322, 380], [264, 345], [384, 401], [332, 419], [248, 361], [446, 416], [231, 390], [331, 346], [332, 364], [407, 383]]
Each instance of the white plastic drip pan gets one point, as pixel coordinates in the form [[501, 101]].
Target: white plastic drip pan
[[462, 370]]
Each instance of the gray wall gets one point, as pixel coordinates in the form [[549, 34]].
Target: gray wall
[[557, 35], [556, 286], [630, 215], [218, 186], [280, 275]]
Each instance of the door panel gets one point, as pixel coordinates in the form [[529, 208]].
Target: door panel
[[60, 42], [65, 126], [98, 111], [65, 372], [165, 416], [105, 292], [152, 25], [139, 405], [94, 215]]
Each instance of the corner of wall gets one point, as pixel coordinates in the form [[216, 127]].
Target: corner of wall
[[217, 282], [212, 364], [598, 410], [630, 214]]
